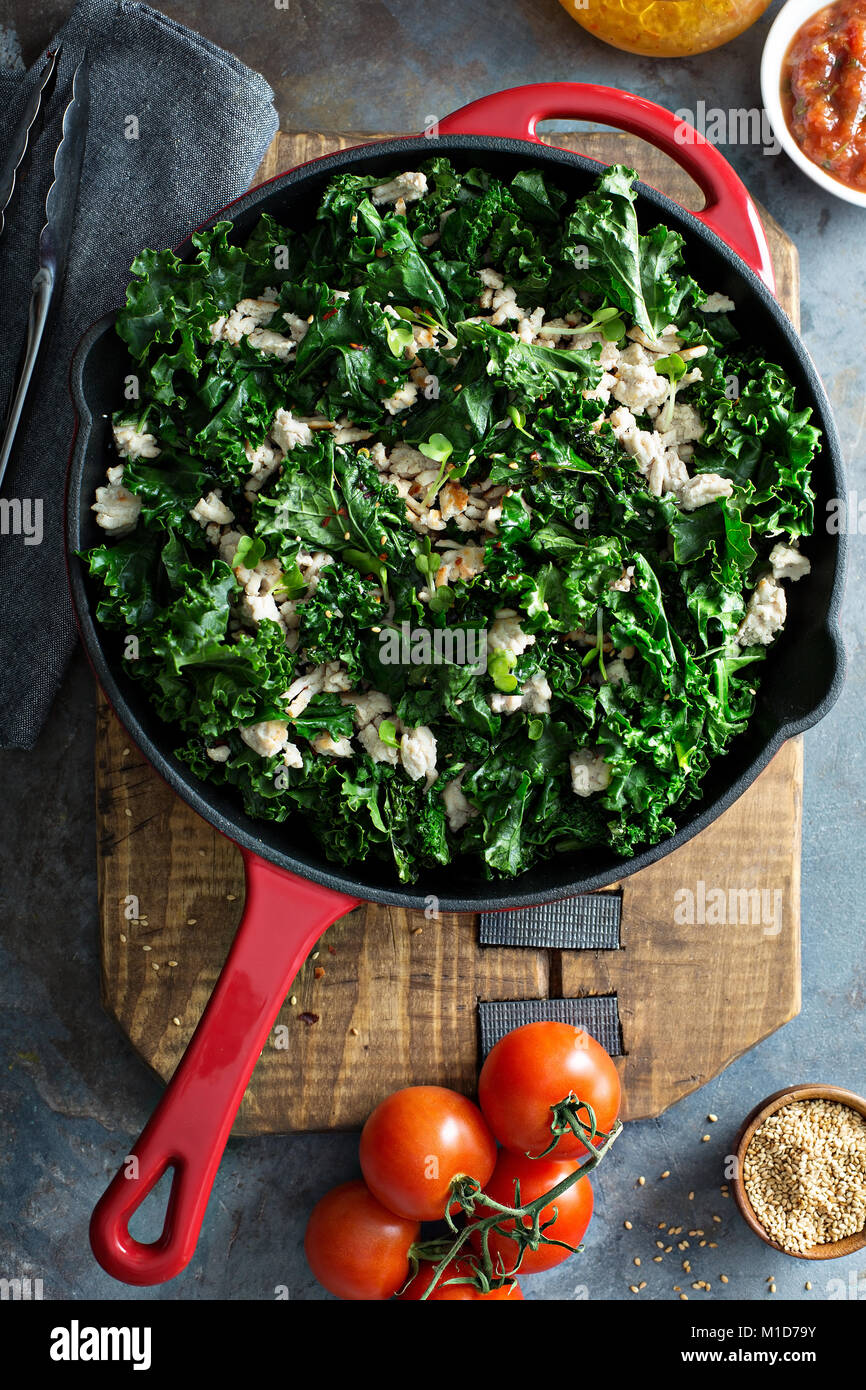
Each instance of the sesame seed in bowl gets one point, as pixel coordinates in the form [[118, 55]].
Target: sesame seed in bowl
[[800, 1180]]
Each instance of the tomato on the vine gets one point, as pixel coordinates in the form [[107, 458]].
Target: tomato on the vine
[[450, 1293], [416, 1141], [357, 1248], [573, 1209], [533, 1068]]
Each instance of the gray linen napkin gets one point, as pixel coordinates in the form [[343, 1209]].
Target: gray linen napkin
[[203, 122]]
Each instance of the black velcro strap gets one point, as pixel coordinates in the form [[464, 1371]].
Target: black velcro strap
[[588, 922], [597, 1013]]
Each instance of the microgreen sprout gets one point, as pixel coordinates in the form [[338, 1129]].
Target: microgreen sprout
[[400, 337], [388, 733], [427, 320], [607, 321], [500, 668], [518, 419], [673, 367]]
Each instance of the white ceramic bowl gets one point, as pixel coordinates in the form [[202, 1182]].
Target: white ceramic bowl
[[784, 27]]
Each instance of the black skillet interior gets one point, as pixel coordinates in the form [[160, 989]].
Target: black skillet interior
[[800, 681]]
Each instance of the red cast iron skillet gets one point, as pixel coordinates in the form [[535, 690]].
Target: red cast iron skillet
[[292, 892]]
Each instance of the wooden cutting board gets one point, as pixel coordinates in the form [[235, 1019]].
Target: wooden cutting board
[[396, 1004]]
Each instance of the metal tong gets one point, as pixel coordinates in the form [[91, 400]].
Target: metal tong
[[59, 216]]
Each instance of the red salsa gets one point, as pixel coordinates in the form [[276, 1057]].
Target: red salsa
[[824, 90]]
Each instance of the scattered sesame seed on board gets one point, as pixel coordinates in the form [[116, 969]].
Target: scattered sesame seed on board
[[191, 921], [705, 1139], [627, 1225], [657, 1259], [772, 1288], [637, 1259], [642, 1284], [293, 1000], [147, 948], [712, 1119], [416, 931], [807, 1284], [723, 1278], [353, 1032], [641, 1182], [123, 936], [691, 1196], [176, 1022], [172, 963], [634, 1288], [231, 897], [684, 1298], [127, 811], [666, 1173]]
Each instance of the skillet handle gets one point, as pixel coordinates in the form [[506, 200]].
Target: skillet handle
[[283, 917], [729, 210]]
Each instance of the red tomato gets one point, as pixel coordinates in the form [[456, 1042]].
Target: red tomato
[[532, 1068], [449, 1293], [357, 1248], [536, 1176], [416, 1141]]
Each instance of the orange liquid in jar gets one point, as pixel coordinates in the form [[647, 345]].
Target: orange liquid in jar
[[665, 28]]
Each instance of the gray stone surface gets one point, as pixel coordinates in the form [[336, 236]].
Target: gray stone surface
[[71, 1092]]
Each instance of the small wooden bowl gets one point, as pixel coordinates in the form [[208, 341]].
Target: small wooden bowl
[[833, 1249]]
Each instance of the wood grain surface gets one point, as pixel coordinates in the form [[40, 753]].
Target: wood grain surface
[[396, 1004]]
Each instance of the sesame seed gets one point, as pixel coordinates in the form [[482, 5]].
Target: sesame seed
[[293, 1001], [353, 1032], [666, 1173], [627, 1225], [705, 1139], [191, 921], [231, 897], [637, 1259], [633, 1288], [172, 962], [724, 1278], [176, 1022], [641, 1182], [807, 1284], [804, 1173], [123, 936], [127, 811], [147, 948], [712, 1119]]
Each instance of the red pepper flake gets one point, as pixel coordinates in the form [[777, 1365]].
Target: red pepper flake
[[309, 1019], [359, 347], [332, 950], [383, 555], [319, 972], [330, 314], [535, 456], [382, 381]]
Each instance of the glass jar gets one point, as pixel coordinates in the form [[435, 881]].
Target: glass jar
[[665, 28]]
